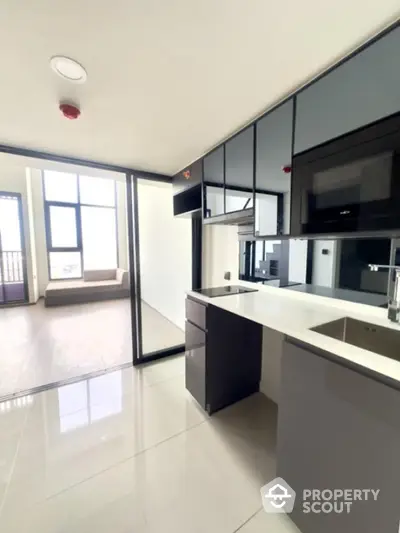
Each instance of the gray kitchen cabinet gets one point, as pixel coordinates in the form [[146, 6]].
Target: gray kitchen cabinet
[[338, 429], [273, 155], [213, 167], [360, 91], [239, 152]]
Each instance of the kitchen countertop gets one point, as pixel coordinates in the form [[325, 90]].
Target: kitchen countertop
[[294, 313]]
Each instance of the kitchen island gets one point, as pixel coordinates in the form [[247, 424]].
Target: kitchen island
[[338, 404]]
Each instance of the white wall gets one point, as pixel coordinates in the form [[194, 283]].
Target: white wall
[[40, 230], [34, 281], [165, 245], [266, 214], [220, 255], [324, 266], [215, 200], [298, 260]]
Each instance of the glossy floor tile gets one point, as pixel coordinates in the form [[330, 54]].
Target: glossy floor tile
[[158, 332], [269, 523], [46, 345], [131, 452]]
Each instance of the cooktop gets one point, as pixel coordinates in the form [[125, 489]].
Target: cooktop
[[224, 291]]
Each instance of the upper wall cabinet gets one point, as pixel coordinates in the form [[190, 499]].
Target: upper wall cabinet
[[188, 178], [213, 171], [273, 158], [363, 89], [239, 171]]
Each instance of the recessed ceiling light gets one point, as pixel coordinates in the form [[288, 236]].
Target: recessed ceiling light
[[69, 69]]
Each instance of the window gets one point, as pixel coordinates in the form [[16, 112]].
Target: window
[[60, 187], [63, 226], [99, 238], [81, 224], [95, 191]]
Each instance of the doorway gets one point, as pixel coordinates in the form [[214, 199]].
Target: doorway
[[163, 257], [13, 276]]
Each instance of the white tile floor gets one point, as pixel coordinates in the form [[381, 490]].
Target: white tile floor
[[45, 345], [131, 452]]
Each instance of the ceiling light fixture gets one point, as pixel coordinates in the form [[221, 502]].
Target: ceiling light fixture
[[68, 69]]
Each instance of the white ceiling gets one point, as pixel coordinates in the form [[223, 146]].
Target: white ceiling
[[167, 79]]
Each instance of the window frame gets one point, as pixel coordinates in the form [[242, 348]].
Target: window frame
[[78, 224]]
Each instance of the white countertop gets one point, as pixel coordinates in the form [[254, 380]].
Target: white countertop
[[293, 314]]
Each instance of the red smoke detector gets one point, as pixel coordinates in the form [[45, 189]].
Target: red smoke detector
[[287, 169], [70, 111]]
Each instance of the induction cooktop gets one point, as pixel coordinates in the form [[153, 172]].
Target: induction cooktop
[[224, 291]]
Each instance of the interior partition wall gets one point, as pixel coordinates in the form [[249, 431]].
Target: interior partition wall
[[165, 252], [59, 243]]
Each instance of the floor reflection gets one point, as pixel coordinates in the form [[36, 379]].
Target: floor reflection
[[18, 403], [85, 402]]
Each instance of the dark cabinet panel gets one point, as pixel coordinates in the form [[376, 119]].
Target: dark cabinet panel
[[360, 91], [223, 356], [350, 184], [189, 177], [273, 157], [195, 362], [233, 357], [214, 183], [214, 167], [196, 313], [239, 171]]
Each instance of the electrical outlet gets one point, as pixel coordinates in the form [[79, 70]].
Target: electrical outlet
[[227, 275]]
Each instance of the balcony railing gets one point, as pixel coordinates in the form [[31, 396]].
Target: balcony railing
[[11, 267]]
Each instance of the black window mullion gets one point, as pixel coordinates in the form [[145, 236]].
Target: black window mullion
[[50, 247], [78, 222]]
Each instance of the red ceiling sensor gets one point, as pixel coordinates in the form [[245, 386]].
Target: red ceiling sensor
[[70, 111], [287, 169]]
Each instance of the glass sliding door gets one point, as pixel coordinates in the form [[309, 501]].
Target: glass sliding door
[[163, 265], [13, 276]]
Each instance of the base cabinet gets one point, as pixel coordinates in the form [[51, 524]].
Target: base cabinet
[[223, 355], [338, 429]]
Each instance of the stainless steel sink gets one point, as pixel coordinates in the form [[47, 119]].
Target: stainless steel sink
[[384, 341]]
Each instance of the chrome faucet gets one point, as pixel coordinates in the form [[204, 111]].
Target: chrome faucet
[[394, 301]]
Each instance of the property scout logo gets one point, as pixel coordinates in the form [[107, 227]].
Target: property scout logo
[[279, 497]]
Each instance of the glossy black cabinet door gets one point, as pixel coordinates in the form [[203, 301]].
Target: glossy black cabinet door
[[273, 160], [239, 171], [360, 91], [195, 362], [213, 166], [223, 355]]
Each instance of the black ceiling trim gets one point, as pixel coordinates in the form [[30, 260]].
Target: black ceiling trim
[[25, 152]]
